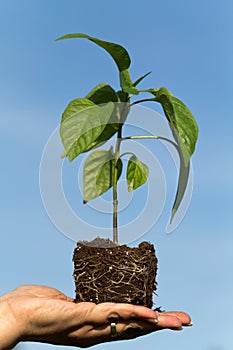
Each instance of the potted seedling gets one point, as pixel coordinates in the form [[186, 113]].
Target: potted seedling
[[103, 269]]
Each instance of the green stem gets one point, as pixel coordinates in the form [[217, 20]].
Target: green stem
[[140, 101], [149, 137], [115, 176], [126, 153]]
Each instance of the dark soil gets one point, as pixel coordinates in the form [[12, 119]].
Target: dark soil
[[104, 272]]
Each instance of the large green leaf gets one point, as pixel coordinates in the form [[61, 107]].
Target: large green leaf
[[101, 94], [82, 128], [76, 106], [98, 173], [182, 184], [181, 120], [185, 132], [137, 173], [118, 52]]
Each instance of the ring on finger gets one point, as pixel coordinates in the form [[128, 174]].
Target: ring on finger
[[113, 333]]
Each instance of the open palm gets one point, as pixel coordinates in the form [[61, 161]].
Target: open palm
[[46, 315]]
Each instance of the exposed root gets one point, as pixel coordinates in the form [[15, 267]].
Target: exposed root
[[116, 274]]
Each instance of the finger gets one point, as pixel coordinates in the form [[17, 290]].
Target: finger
[[108, 311], [168, 321], [124, 330], [129, 329], [183, 317]]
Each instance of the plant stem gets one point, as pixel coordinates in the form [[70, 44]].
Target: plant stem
[[149, 137], [140, 101], [115, 178], [115, 172]]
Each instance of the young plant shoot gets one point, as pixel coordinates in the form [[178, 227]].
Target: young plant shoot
[[88, 122]]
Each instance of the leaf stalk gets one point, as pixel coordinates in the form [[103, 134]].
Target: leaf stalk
[[142, 137]]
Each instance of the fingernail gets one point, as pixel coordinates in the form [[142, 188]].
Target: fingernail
[[190, 324], [152, 320], [180, 329]]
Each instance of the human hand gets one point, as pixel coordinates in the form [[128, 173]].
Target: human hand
[[44, 314]]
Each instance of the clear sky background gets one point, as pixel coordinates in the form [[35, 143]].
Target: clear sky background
[[188, 46]]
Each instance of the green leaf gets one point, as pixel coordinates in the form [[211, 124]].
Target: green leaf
[[181, 120], [126, 83], [185, 132], [140, 79], [98, 173], [101, 94], [76, 106], [137, 173], [82, 128], [182, 184], [118, 52]]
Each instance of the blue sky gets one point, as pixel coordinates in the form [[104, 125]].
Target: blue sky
[[187, 45]]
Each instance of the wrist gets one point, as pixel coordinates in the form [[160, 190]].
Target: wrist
[[11, 329]]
